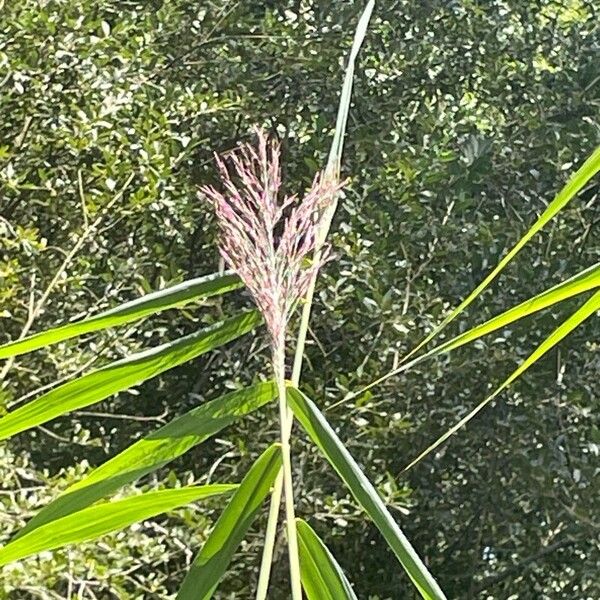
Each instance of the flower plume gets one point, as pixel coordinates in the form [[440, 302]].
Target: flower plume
[[264, 237]]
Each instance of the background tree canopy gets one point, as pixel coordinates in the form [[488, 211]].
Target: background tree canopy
[[467, 117]]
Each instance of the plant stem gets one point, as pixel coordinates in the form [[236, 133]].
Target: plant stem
[[333, 171], [285, 424], [287, 418], [271, 532]]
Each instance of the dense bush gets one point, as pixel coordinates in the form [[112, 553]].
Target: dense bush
[[466, 117]]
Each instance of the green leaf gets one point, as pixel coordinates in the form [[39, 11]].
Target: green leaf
[[363, 491], [337, 145], [583, 313], [123, 374], [568, 192], [212, 561], [100, 519], [580, 283], [322, 577], [172, 297], [585, 281], [155, 450]]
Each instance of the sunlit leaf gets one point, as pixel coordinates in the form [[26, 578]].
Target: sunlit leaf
[[575, 184], [155, 450], [322, 577], [229, 531], [586, 311], [363, 491], [580, 283], [585, 281], [123, 374], [175, 296], [100, 519]]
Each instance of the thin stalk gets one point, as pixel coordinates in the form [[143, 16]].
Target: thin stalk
[[279, 368], [287, 418], [333, 171], [271, 532]]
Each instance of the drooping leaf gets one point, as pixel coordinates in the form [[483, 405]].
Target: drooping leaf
[[322, 577], [123, 374], [155, 450], [172, 297], [95, 521], [573, 186], [363, 491], [212, 561], [583, 313]]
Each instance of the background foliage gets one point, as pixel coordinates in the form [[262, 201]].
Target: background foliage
[[466, 117]]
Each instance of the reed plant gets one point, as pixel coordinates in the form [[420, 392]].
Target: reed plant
[[274, 246]]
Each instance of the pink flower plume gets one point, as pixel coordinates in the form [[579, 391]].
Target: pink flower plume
[[264, 238]]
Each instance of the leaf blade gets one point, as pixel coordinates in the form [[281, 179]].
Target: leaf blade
[[211, 562], [573, 186], [322, 577], [154, 451], [321, 433], [583, 313], [123, 374], [582, 282], [171, 297], [100, 519], [337, 144]]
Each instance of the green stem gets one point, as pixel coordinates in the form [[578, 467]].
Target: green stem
[[287, 421], [290, 517], [271, 532], [333, 171], [286, 417]]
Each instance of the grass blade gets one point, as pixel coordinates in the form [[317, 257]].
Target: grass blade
[[583, 313], [123, 374], [363, 491], [322, 577], [172, 297], [337, 145], [154, 451], [577, 181], [585, 281], [580, 283], [100, 519], [212, 561]]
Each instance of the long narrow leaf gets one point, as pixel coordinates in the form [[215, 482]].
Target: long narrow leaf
[[582, 282], [123, 374], [154, 451], [337, 145], [577, 181], [363, 491], [212, 561], [98, 520], [322, 577], [586, 311], [175, 296], [585, 281]]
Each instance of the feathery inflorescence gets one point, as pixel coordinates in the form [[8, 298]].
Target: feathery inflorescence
[[264, 238]]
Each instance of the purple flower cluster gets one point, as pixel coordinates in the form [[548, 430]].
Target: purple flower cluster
[[266, 239]]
